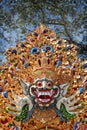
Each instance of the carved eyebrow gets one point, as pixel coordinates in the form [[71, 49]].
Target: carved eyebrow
[[43, 79], [38, 81], [48, 80]]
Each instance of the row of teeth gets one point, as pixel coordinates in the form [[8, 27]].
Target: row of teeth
[[44, 100], [45, 93]]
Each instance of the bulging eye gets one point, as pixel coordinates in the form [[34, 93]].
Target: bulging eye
[[49, 84], [35, 50], [48, 48], [39, 84]]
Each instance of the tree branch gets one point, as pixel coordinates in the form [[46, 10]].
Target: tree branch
[[51, 21], [82, 48]]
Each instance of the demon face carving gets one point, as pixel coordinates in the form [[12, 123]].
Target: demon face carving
[[44, 93]]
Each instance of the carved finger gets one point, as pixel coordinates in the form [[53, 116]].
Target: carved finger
[[13, 113], [15, 102], [13, 108], [11, 100], [74, 107], [16, 97], [74, 95], [75, 112], [73, 102]]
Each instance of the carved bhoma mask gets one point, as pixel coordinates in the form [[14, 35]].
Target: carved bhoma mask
[[44, 91]]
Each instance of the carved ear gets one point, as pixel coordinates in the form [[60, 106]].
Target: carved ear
[[64, 88], [24, 86]]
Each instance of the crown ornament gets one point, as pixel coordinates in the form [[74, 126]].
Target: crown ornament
[[44, 67], [44, 82]]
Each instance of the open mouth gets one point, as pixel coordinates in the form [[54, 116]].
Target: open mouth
[[45, 96]]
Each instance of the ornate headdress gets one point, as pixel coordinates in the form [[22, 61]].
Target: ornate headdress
[[43, 55]]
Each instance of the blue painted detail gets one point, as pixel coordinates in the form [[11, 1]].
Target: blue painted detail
[[16, 127], [46, 48], [59, 62], [68, 48], [14, 52], [26, 65], [75, 125], [5, 94], [59, 42], [22, 45], [35, 50], [35, 33], [84, 66], [44, 79], [45, 31], [82, 90]]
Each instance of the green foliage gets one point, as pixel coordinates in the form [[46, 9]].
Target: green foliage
[[48, 12]]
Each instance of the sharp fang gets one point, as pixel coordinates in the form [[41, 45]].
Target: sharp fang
[[35, 100], [37, 90], [51, 92], [39, 94], [45, 93]]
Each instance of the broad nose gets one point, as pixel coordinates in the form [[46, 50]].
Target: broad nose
[[44, 84]]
